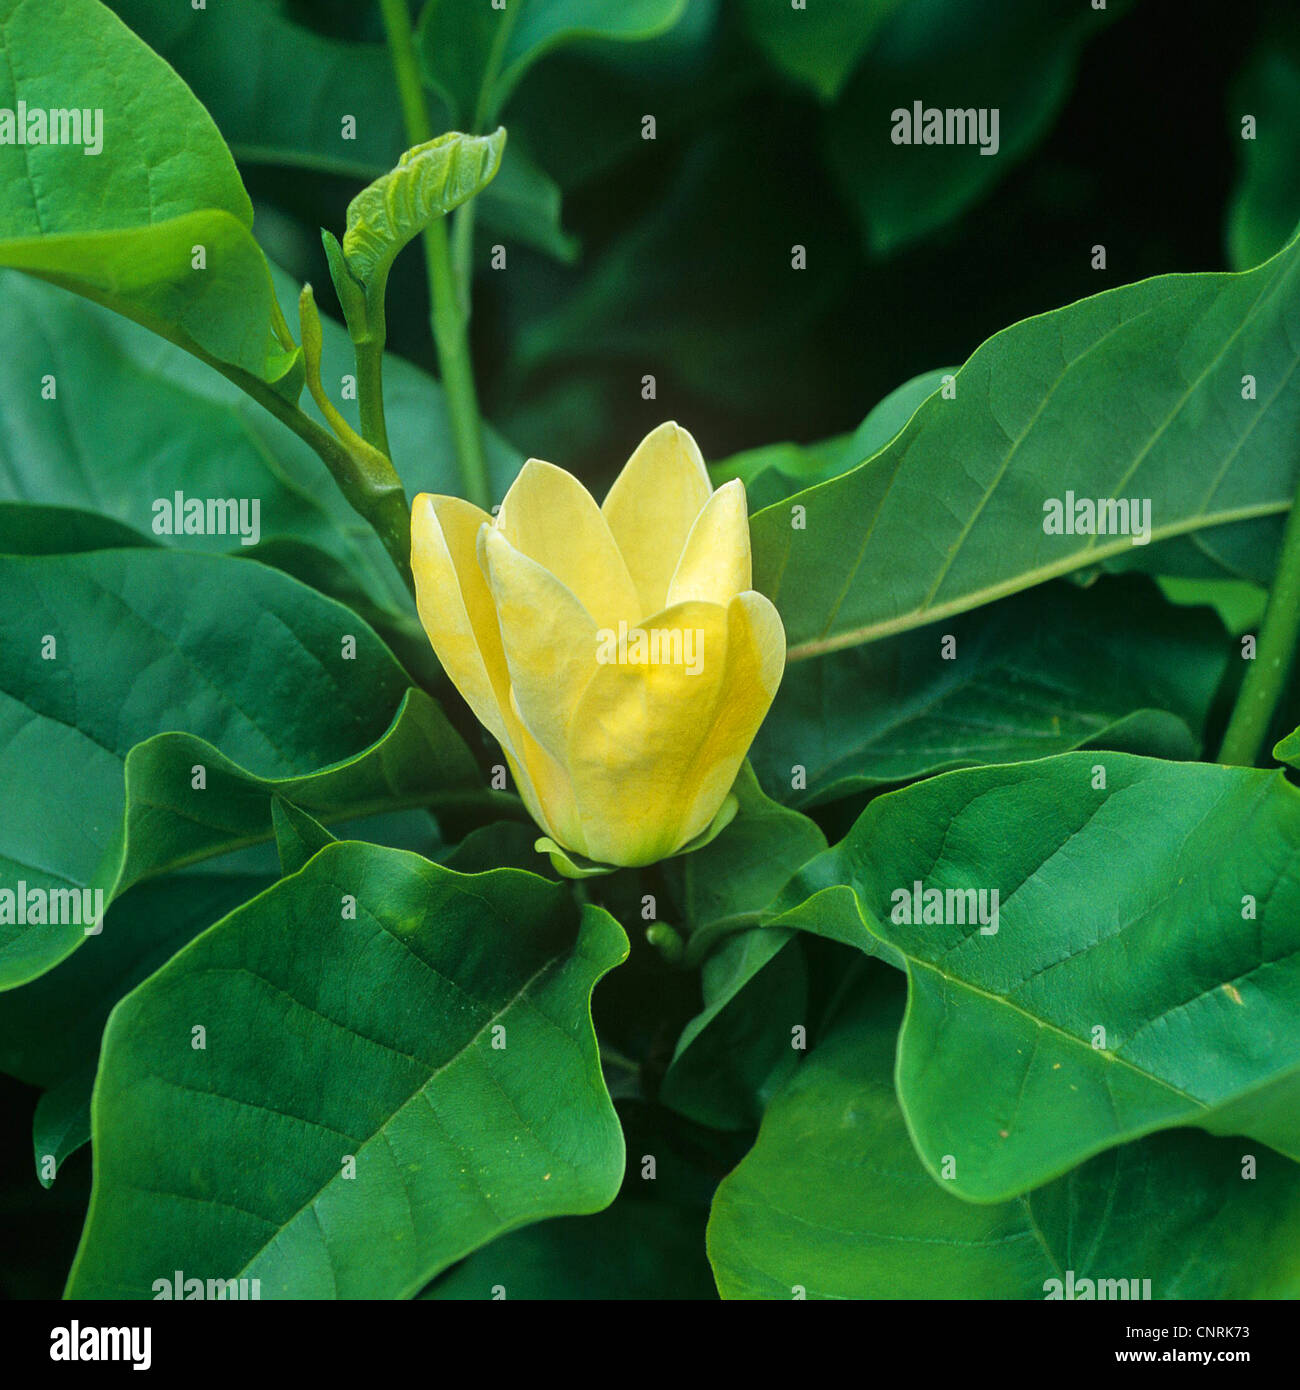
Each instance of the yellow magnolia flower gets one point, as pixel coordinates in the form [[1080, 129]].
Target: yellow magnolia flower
[[617, 652]]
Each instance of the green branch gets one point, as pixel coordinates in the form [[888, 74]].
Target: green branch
[[380, 502], [448, 320], [1266, 676]]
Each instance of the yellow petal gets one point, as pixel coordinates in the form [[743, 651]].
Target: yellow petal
[[755, 663], [652, 506], [636, 737], [550, 640], [551, 518], [458, 614], [544, 787], [715, 564], [455, 606]]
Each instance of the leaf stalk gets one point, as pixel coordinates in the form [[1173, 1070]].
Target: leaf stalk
[[449, 320], [1266, 676]]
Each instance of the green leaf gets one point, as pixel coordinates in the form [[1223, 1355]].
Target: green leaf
[[277, 90], [474, 55], [1112, 666], [523, 204], [1013, 57], [28, 528], [1288, 750], [502, 845], [297, 835], [820, 45], [428, 182], [50, 1029], [953, 511], [219, 310], [832, 1201], [1141, 973], [201, 436], [422, 1022], [121, 225], [583, 107], [1239, 603], [61, 1124], [775, 471], [1265, 205], [736, 876], [240, 69], [249, 662]]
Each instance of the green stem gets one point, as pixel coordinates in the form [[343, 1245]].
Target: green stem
[[1266, 675], [462, 253], [449, 332], [382, 504], [448, 320], [370, 393]]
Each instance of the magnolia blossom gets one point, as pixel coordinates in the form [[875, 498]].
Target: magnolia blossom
[[616, 652]]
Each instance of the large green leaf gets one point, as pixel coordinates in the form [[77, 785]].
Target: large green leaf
[[97, 450], [278, 91], [1134, 394], [408, 1039], [237, 67], [1265, 204], [1012, 57], [774, 471], [832, 1202], [648, 1244], [730, 881], [1143, 970], [475, 54], [254, 667], [1112, 666], [50, 1029], [122, 224]]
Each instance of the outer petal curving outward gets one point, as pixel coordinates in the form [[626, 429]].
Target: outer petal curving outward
[[456, 606]]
